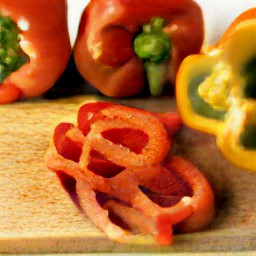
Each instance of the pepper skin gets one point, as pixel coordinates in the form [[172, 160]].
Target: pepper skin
[[216, 91], [126, 182], [104, 52], [44, 38]]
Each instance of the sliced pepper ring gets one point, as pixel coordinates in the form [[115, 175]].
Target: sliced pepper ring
[[100, 217], [123, 117]]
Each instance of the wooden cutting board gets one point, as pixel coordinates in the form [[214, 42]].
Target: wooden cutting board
[[37, 215]]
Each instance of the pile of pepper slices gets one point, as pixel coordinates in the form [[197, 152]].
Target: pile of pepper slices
[[124, 179], [118, 156]]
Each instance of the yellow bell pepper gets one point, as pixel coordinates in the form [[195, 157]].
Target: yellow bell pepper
[[216, 91]]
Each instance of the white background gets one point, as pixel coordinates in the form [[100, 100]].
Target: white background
[[218, 14]]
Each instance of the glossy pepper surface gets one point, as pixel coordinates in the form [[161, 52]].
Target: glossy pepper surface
[[123, 45], [125, 181], [35, 47], [216, 91]]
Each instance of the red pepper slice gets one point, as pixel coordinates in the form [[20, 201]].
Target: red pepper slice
[[104, 52], [118, 117], [202, 198], [128, 186], [101, 166], [172, 122], [133, 139], [66, 147], [86, 114], [193, 212], [45, 41]]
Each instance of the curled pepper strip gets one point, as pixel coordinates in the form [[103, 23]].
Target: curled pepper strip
[[117, 117], [136, 200], [44, 42], [216, 91]]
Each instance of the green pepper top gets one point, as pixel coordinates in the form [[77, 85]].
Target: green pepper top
[[154, 47], [11, 55]]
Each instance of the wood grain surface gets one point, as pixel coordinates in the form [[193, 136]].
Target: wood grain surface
[[37, 215]]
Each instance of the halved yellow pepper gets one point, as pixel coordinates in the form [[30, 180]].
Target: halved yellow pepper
[[216, 91]]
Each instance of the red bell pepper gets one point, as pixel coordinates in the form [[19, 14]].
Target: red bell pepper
[[35, 47], [125, 181], [111, 50]]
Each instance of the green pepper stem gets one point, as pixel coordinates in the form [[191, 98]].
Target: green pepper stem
[[157, 74], [154, 46], [11, 55]]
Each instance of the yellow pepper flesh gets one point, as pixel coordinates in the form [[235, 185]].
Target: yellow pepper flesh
[[216, 92]]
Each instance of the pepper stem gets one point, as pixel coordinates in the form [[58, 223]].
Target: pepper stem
[[154, 47], [157, 75], [11, 55]]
